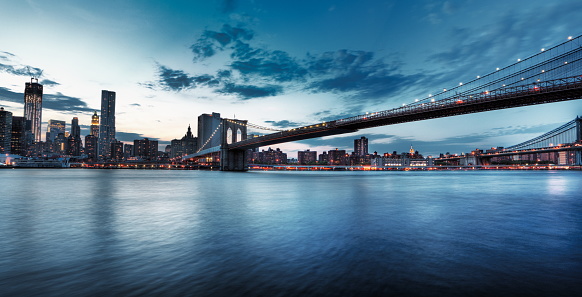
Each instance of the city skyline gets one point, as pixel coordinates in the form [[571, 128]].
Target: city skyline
[[251, 59]]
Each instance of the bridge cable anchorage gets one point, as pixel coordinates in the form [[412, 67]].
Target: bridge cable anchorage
[[210, 138], [256, 126]]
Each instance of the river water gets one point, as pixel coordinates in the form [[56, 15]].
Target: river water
[[84, 232]]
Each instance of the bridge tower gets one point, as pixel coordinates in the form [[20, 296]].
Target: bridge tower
[[578, 128], [233, 159]]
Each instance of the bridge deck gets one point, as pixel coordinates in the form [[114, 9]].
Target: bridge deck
[[528, 94]]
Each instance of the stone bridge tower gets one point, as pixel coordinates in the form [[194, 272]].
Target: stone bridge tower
[[231, 159]]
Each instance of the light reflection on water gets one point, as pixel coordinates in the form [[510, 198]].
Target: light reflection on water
[[176, 233]]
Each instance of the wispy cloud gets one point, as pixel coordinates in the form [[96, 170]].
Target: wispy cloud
[[49, 83], [284, 124]]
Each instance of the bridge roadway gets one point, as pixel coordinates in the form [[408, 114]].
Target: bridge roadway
[[569, 88]]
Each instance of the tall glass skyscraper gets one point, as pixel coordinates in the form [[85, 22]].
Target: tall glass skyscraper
[[33, 106], [5, 130], [107, 126]]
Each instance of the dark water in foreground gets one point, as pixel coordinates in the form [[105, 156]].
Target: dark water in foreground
[[196, 233]]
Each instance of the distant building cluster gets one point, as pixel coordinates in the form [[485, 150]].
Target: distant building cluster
[[20, 136], [360, 156]]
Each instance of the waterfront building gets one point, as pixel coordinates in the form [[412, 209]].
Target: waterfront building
[[107, 125], [145, 149], [60, 145], [75, 128], [208, 124], [18, 131], [323, 158], [337, 157], [53, 129], [33, 107], [95, 125], [361, 146], [91, 147], [74, 146], [270, 156], [5, 131], [127, 151], [185, 146], [117, 150], [306, 157]]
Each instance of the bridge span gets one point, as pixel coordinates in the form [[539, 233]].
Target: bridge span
[[552, 75]]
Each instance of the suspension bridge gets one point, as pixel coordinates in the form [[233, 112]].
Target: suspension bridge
[[552, 75]]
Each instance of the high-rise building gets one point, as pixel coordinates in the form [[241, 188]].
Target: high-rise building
[[361, 146], [54, 128], [117, 150], [127, 151], [337, 157], [95, 125], [91, 147], [75, 128], [33, 107], [107, 125], [60, 145], [5, 131], [74, 139], [306, 157], [145, 149], [208, 125], [17, 142]]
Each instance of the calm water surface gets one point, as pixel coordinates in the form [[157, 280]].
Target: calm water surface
[[198, 233]]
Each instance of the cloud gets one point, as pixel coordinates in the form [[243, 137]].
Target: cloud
[[249, 91], [284, 124], [211, 42], [7, 95], [56, 101], [276, 65], [327, 115], [21, 70], [64, 103], [177, 80], [6, 55], [49, 83], [130, 136], [358, 75]]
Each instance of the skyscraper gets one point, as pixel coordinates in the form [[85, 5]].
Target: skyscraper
[[207, 125], [75, 129], [33, 107], [361, 146], [17, 142], [91, 147], [54, 128], [95, 125], [5, 130], [107, 126], [74, 140]]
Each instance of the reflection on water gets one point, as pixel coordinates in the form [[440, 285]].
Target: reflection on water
[[177, 233]]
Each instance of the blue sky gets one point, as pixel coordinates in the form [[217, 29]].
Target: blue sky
[[280, 64]]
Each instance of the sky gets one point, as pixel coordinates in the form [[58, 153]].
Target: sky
[[280, 64]]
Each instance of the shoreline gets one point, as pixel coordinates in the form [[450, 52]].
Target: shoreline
[[256, 167]]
